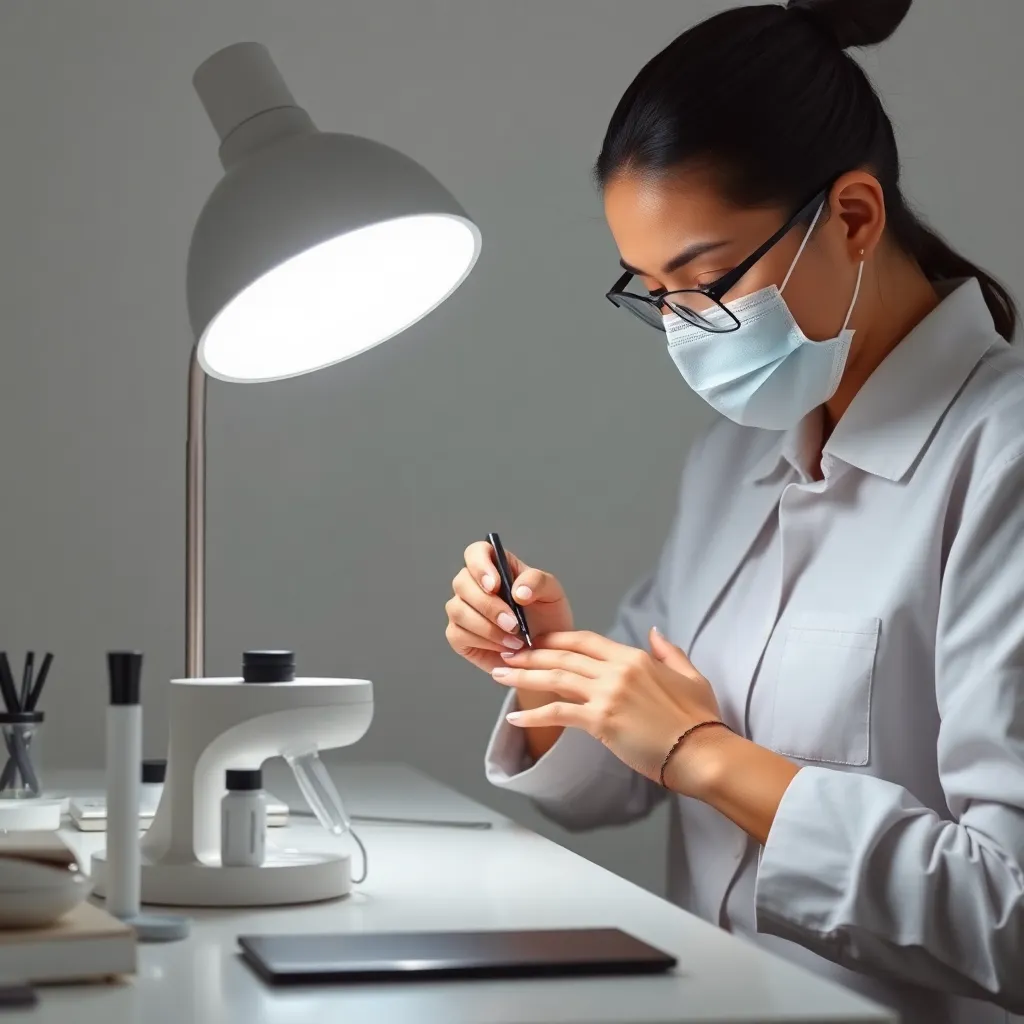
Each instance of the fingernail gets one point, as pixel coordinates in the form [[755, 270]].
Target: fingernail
[[501, 673], [488, 582], [507, 621], [513, 716], [524, 593], [512, 641], [509, 654], [656, 630]]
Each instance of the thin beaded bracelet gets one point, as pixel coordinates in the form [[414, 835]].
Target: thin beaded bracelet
[[679, 742]]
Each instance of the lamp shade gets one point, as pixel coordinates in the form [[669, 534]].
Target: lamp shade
[[314, 246]]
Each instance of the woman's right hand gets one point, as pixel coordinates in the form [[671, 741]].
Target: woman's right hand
[[481, 625]]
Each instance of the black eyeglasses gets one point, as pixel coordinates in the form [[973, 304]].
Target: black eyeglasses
[[703, 307]]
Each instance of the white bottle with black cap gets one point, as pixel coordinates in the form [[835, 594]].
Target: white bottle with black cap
[[123, 866], [124, 755], [243, 819], [154, 774]]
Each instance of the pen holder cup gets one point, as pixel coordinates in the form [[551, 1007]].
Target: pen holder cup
[[19, 747]]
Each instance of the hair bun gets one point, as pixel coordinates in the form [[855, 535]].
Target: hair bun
[[854, 22]]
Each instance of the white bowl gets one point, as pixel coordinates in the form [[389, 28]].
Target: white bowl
[[35, 895]]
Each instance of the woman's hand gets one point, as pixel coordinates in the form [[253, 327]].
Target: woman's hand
[[481, 625], [637, 704]]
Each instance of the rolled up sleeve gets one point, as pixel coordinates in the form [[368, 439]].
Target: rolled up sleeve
[[858, 870]]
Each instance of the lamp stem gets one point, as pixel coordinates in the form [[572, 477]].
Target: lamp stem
[[195, 521]]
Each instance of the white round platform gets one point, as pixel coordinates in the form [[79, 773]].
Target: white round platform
[[285, 878]]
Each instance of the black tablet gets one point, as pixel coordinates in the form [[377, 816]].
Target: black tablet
[[419, 956]]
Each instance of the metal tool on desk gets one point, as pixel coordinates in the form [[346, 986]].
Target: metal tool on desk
[[388, 819], [383, 819]]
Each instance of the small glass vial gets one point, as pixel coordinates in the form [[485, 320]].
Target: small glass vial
[[243, 819]]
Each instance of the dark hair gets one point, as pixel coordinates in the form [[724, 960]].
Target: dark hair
[[766, 97]]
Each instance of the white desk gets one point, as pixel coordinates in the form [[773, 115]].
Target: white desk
[[433, 879]]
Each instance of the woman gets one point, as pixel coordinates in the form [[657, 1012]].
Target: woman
[[843, 738]]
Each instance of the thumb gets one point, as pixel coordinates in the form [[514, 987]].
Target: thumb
[[668, 654], [534, 586]]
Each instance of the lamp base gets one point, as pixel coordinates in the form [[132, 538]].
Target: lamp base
[[285, 877]]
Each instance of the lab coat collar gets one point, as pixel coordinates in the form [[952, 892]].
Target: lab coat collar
[[891, 418]]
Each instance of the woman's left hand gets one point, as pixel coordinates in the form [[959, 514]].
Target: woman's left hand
[[637, 704]]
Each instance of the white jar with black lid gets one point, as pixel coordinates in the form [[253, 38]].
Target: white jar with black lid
[[243, 819]]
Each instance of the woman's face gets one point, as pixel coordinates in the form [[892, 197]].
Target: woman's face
[[677, 232]]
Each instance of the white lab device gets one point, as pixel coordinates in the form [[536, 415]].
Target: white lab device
[[222, 723]]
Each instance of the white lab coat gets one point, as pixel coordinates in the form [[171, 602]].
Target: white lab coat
[[887, 660]]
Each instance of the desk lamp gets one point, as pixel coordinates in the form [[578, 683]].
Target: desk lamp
[[312, 248]]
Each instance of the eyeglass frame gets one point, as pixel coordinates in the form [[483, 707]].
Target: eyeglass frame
[[718, 289]]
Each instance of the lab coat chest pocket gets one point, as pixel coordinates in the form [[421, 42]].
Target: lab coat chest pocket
[[821, 709]]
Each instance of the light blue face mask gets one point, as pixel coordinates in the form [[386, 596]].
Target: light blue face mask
[[767, 373]]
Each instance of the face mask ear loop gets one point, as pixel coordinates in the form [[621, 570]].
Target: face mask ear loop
[[799, 252], [856, 292]]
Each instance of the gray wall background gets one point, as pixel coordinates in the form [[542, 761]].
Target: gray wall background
[[340, 503]]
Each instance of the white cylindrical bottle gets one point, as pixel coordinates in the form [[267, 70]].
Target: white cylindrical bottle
[[124, 758], [243, 819]]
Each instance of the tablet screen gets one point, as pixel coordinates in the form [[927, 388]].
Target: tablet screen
[[393, 956]]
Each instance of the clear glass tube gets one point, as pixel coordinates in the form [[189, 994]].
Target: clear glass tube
[[320, 792], [324, 799]]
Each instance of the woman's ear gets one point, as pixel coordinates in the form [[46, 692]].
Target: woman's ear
[[859, 203]]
